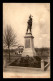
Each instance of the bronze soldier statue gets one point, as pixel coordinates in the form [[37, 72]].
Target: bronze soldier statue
[[29, 24]]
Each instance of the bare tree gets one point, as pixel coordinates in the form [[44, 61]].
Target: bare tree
[[9, 38]]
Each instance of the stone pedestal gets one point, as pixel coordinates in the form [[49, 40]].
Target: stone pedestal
[[29, 46]]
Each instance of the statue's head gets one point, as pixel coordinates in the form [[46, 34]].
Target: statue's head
[[30, 16]]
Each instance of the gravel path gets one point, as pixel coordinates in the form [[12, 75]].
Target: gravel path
[[24, 72]]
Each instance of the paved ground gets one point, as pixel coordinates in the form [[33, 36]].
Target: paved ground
[[24, 72]]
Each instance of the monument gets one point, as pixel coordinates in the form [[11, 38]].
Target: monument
[[29, 44]]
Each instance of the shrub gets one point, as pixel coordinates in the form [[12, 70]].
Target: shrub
[[33, 62], [28, 62], [37, 58], [24, 61], [16, 62]]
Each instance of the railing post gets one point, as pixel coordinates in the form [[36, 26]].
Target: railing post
[[42, 65]]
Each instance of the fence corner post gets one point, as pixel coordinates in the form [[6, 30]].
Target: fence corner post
[[42, 65]]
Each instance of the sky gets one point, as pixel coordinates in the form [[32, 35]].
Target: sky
[[17, 14]]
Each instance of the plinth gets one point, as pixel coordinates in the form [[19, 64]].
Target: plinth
[[29, 46]]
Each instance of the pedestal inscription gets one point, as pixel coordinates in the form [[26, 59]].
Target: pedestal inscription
[[27, 43]]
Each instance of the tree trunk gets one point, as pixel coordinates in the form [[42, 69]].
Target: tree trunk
[[9, 53]]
